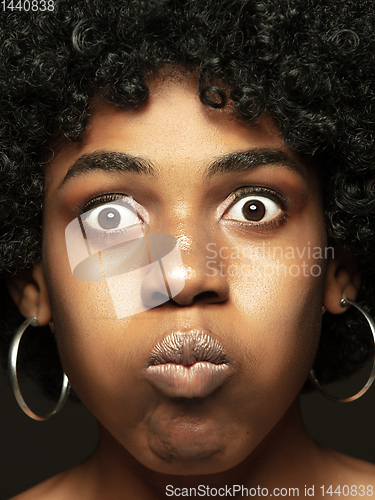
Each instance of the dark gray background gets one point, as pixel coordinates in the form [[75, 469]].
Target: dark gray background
[[32, 451]]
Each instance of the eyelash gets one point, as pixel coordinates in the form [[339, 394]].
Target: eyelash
[[92, 203], [274, 196], [97, 236]]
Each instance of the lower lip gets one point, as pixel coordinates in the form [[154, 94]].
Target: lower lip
[[195, 381]]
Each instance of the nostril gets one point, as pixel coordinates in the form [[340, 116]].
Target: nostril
[[206, 296]]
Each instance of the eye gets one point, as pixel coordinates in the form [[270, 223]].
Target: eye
[[111, 216], [254, 208]]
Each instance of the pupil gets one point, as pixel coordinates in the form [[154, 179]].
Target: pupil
[[254, 210], [109, 218]]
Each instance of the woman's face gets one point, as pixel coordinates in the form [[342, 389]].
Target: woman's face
[[244, 328]]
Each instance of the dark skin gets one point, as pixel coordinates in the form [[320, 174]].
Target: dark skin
[[249, 430]]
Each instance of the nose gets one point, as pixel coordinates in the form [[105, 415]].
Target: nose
[[202, 284], [185, 277], [202, 288]]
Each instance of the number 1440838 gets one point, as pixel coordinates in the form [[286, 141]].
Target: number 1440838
[[28, 5], [348, 491]]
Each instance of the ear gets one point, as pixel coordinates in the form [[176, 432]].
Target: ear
[[343, 279], [29, 292]]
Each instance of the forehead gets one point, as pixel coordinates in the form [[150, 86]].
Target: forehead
[[173, 131]]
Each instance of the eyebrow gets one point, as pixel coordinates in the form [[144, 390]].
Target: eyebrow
[[109, 161], [242, 161], [252, 159]]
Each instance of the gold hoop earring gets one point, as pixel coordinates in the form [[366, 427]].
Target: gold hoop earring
[[12, 370], [314, 380]]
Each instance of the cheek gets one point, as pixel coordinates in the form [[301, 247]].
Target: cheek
[[88, 332], [101, 357], [278, 307], [285, 325], [85, 329]]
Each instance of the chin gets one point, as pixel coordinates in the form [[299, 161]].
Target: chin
[[189, 447]]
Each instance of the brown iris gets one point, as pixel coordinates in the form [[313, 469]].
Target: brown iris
[[254, 210], [109, 218]]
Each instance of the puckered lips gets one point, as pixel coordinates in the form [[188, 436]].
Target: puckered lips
[[188, 365]]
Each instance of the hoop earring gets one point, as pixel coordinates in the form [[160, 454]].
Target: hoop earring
[[12, 370], [371, 378]]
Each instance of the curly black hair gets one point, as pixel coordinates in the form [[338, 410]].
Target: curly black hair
[[310, 64]]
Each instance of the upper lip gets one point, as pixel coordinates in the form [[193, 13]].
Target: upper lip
[[187, 348]]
